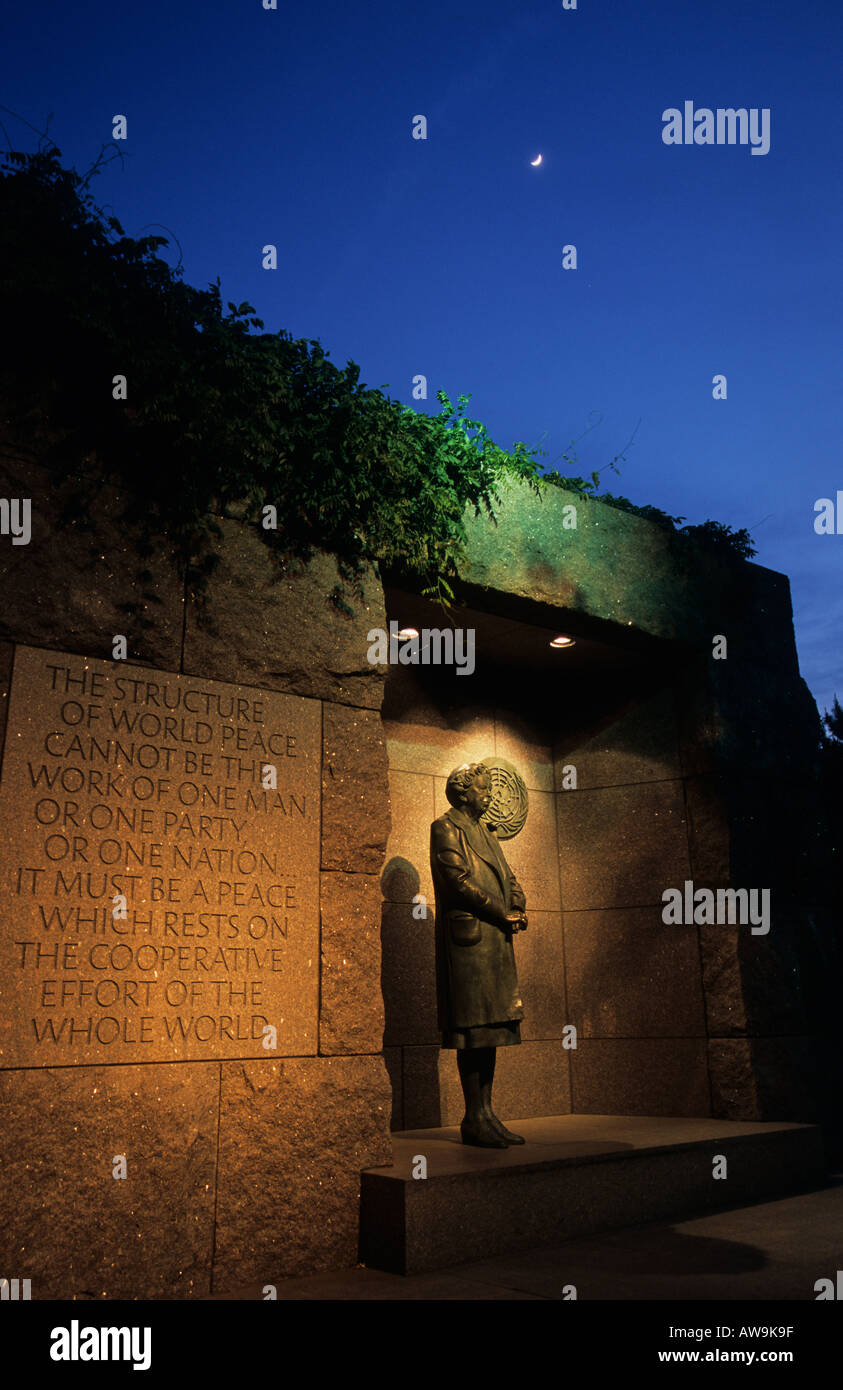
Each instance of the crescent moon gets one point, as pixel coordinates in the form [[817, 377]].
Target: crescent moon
[[535, 162]]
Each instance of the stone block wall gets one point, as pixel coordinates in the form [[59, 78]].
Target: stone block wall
[[635, 988], [671, 1019], [748, 752], [593, 861], [244, 1165], [240, 1168], [707, 773], [532, 1079]]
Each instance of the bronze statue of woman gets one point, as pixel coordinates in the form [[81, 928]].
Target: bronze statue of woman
[[479, 907]]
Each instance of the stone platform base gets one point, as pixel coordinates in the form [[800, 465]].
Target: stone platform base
[[576, 1174]]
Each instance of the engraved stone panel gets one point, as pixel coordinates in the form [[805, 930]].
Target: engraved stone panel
[[159, 837]]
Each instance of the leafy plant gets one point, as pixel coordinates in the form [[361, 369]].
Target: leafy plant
[[221, 417], [833, 721]]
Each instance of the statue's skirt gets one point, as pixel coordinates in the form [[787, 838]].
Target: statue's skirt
[[485, 1035]]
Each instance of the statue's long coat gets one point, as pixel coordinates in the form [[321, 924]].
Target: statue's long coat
[[475, 888]]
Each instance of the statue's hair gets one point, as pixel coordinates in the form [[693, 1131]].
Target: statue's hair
[[461, 779]]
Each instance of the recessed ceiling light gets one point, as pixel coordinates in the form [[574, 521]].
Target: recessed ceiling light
[[563, 641]]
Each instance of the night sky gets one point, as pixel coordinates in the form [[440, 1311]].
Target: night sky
[[443, 256]]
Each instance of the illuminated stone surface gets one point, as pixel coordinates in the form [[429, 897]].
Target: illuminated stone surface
[[67, 1222], [280, 632], [619, 846], [576, 1173], [409, 975], [351, 1009], [681, 780], [632, 976], [614, 566], [355, 823], [294, 1137], [123, 782], [529, 1080], [640, 1076]]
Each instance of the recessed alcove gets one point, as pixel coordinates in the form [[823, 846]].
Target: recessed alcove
[[594, 730]]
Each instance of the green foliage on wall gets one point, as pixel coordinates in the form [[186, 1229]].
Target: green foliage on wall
[[221, 416], [713, 535]]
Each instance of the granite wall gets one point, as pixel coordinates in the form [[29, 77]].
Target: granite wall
[[690, 767], [242, 1164], [748, 757], [636, 989], [593, 860], [423, 748]]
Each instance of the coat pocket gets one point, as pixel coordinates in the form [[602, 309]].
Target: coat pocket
[[465, 929]]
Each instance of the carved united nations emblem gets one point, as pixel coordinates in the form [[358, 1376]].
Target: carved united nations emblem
[[508, 811]]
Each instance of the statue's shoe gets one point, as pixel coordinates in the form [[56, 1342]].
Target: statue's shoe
[[500, 1128], [482, 1135]]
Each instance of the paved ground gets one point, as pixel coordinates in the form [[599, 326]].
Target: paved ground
[[771, 1250]]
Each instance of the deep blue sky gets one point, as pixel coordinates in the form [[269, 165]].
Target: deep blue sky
[[444, 256]]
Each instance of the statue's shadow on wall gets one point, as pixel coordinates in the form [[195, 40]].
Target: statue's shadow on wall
[[408, 979]]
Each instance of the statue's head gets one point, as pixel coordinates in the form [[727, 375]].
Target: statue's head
[[469, 788]]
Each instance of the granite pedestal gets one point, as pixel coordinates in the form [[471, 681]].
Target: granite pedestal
[[575, 1175]]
